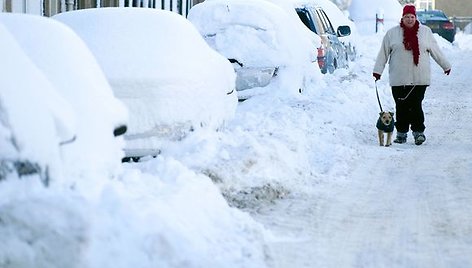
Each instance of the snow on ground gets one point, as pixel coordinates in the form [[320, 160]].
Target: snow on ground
[[403, 206], [306, 183]]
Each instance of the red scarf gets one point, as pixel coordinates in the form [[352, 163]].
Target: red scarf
[[410, 40]]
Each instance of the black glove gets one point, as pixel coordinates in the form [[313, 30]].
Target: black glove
[[376, 76]]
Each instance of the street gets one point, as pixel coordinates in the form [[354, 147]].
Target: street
[[403, 206]]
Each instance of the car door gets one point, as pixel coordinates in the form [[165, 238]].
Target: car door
[[325, 54], [331, 54], [325, 26]]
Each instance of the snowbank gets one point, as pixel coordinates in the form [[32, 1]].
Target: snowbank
[[363, 13]]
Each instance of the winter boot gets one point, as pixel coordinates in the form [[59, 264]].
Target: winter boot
[[419, 137], [401, 137]]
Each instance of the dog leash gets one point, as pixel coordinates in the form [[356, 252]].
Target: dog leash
[[378, 98], [407, 95]]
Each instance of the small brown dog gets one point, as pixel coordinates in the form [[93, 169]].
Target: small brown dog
[[385, 124]]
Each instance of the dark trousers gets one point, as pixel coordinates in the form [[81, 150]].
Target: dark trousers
[[408, 106]]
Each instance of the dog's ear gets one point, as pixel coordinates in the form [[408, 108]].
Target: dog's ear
[[391, 113], [381, 113]]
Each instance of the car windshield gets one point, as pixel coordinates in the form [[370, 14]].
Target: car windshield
[[238, 35], [305, 17], [431, 15]]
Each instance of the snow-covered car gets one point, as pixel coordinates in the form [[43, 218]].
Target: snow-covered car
[[332, 54], [157, 63], [74, 73], [35, 121], [262, 41]]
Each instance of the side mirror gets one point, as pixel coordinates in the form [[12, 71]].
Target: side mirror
[[120, 130], [343, 30]]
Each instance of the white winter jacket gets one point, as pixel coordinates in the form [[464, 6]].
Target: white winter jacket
[[402, 70]]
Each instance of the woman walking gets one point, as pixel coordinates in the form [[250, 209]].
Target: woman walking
[[407, 48]]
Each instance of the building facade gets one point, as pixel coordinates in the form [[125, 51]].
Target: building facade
[[460, 11], [52, 7], [455, 8], [425, 4]]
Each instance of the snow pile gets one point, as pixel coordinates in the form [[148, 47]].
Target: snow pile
[[342, 4], [363, 13], [468, 29], [174, 219], [463, 40]]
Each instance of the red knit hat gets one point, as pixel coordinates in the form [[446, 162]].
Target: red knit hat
[[409, 9]]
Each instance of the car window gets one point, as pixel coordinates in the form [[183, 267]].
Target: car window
[[325, 21], [439, 14], [430, 15], [306, 18]]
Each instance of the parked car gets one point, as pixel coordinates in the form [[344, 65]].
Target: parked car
[[339, 18], [438, 22], [158, 64], [332, 54], [71, 69], [35, 121], [263, 42]]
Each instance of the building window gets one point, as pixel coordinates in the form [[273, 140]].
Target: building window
[[425, 4]]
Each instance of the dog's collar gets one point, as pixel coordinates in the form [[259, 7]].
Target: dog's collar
[[387, 128]]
